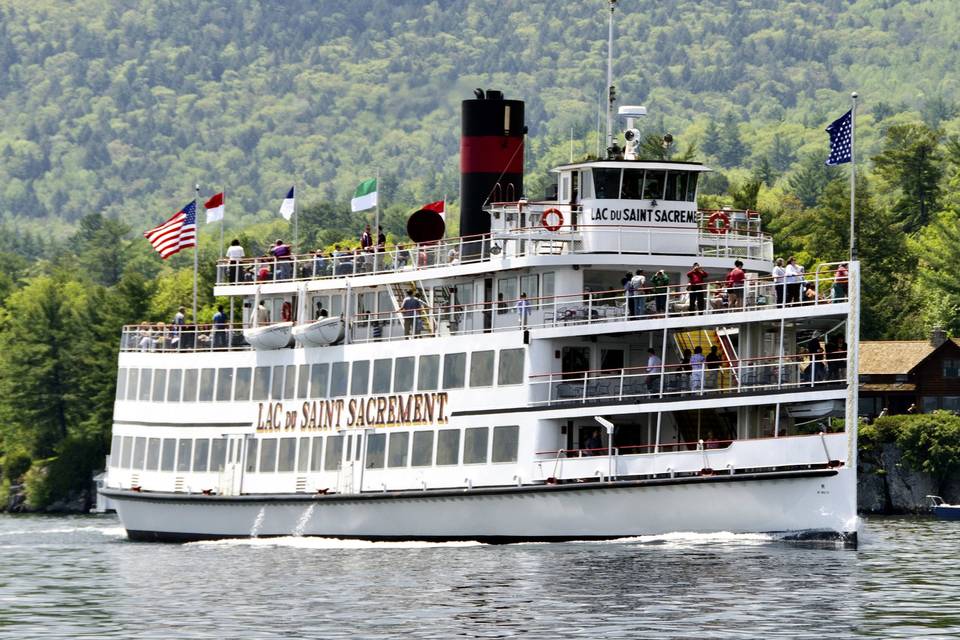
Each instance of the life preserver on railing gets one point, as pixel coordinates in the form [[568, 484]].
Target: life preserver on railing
[[552, 219], [718, 222]]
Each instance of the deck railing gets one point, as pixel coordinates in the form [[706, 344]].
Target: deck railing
[[161, 337]]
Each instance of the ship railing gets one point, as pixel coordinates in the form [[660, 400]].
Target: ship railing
[[172, 338], [597, 307], [638, 449], [796, 372]]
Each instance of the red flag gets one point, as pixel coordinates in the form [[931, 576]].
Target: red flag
[[435, 206], [214, 207]]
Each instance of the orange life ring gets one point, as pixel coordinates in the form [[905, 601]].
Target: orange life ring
[[718, 222], [549, 225]]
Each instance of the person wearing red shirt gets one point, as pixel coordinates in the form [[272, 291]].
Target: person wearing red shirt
[[840, 277], [735, 280], [697, 278]]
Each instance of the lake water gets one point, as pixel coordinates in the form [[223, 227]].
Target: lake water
[[79, 577]]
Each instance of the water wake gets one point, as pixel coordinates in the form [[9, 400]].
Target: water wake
[[300, 542]]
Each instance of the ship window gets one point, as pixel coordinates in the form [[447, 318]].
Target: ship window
[[350, 446], [381, 375], [139, 452], [338, 381], [481, 369], [268, 455], [261, 383], [606, 183], [318, 380], [549, 280], [218, 454], [399, 444], [454, 370], [122, 384], [422, 448], [276, 389], [132, 378], [224, 384], [376, 443], [506, 294], [290, 382], [153, 454], [115, 444], [316, 454], [251, 455], [692, 187], [403, 374], [145, 384], [475, 445], [159, 384], [529, 286], [676, 185], [168, 454], [429, 372], [127, 452], [360, 379], [201, 451], [190, 385], [207, 378], [505, 443], [632, 184], [241, 390], [288, 454], [331, 457], [653, 185], [184, 448], [511, 367], [303, 381], [586, 185], [448, 446], [173, 386], [303, 456]]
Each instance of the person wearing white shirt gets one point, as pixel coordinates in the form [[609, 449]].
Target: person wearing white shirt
[[638, 281], [654, 366], [697, 365], [779, 280], [523, 309], [234, 254], [793, 275]]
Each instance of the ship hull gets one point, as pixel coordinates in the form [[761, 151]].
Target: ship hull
[[815, 504]]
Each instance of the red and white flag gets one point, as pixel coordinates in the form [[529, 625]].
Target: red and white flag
[[437, 207], [179, 232], [214, 207]]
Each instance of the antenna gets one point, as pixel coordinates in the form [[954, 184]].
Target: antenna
[[611, 91]]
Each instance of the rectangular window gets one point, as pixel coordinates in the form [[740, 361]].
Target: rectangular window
[[153, 454], [331, 457], [403, 374], [360, 380], [316, 454], [261, 383], [139, 452], [606, 183], [676, 185], [169, 454], [448, 446], [530, 285], [338, 380], [290, 382], [318, 380], [454, 370], [481, 369], [288, 454], [951, 403], [159, 384], [549, 285], [218, 454], [251, 455], [506, 294], [303, 381], [184, 451], [653, 184], [127, 452], [146, 384], [505, 443], [511, 367], [376, 444], [303, 456], [207, 377], [381, 375], [133, 378], [241, 389], [201, 454], [951, 368], [399, 444], [475, 445], [632, 184], [173, 385], [190, 385], [429, 372], [268, 455], [121, 384], [276, 390], [115, 444], [422, 449], [224, 385], [692, 187]]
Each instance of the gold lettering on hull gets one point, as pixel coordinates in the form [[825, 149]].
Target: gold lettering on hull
[[397, 410]]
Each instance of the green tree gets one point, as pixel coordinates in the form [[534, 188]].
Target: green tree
[[911, 166], [811, 178]]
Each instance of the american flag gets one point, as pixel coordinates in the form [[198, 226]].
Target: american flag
[[179, 232], [840, 139]]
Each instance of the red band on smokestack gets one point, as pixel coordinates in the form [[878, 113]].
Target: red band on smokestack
[[491, 154]]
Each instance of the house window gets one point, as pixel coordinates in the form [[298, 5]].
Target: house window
[[951, 368]]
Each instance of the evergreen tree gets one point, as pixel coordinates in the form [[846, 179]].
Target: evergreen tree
[[911, 168], [732, 149], [811, 178]]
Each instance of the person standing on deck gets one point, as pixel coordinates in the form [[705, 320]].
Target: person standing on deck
[[523, 310], [654, 366], [235, 254], [735, 285], [660, 283], [410, 308], [639, 281], [220, 328], [697, 364], [697, 277], [713, 361], [840, 278], [779, 281], [793, 276], [366, 239]]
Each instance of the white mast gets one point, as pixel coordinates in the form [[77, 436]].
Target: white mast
[[610, 90]]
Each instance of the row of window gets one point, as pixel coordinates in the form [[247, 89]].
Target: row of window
[[318, 453], [323, 380]]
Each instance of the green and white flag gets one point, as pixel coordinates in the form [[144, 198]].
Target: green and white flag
[[365, 197]]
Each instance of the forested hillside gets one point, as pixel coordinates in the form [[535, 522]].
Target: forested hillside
[[110, 112]]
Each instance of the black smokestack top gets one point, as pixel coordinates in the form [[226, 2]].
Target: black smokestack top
[[491, 158]]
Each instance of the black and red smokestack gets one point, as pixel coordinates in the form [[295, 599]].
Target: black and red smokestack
[[491, 159]]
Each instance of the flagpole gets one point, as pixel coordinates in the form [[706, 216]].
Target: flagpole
[[222, 215], [296, 221], [376, 228], [196, 247], [853, 176]]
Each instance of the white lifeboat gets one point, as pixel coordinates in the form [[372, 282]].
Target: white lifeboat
[[271, 336], [320, 333], [818, 409]]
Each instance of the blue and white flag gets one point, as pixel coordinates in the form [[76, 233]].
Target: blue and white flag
[[286, 208], [841, 139]]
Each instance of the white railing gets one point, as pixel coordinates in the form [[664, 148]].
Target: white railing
[[161, 337]]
